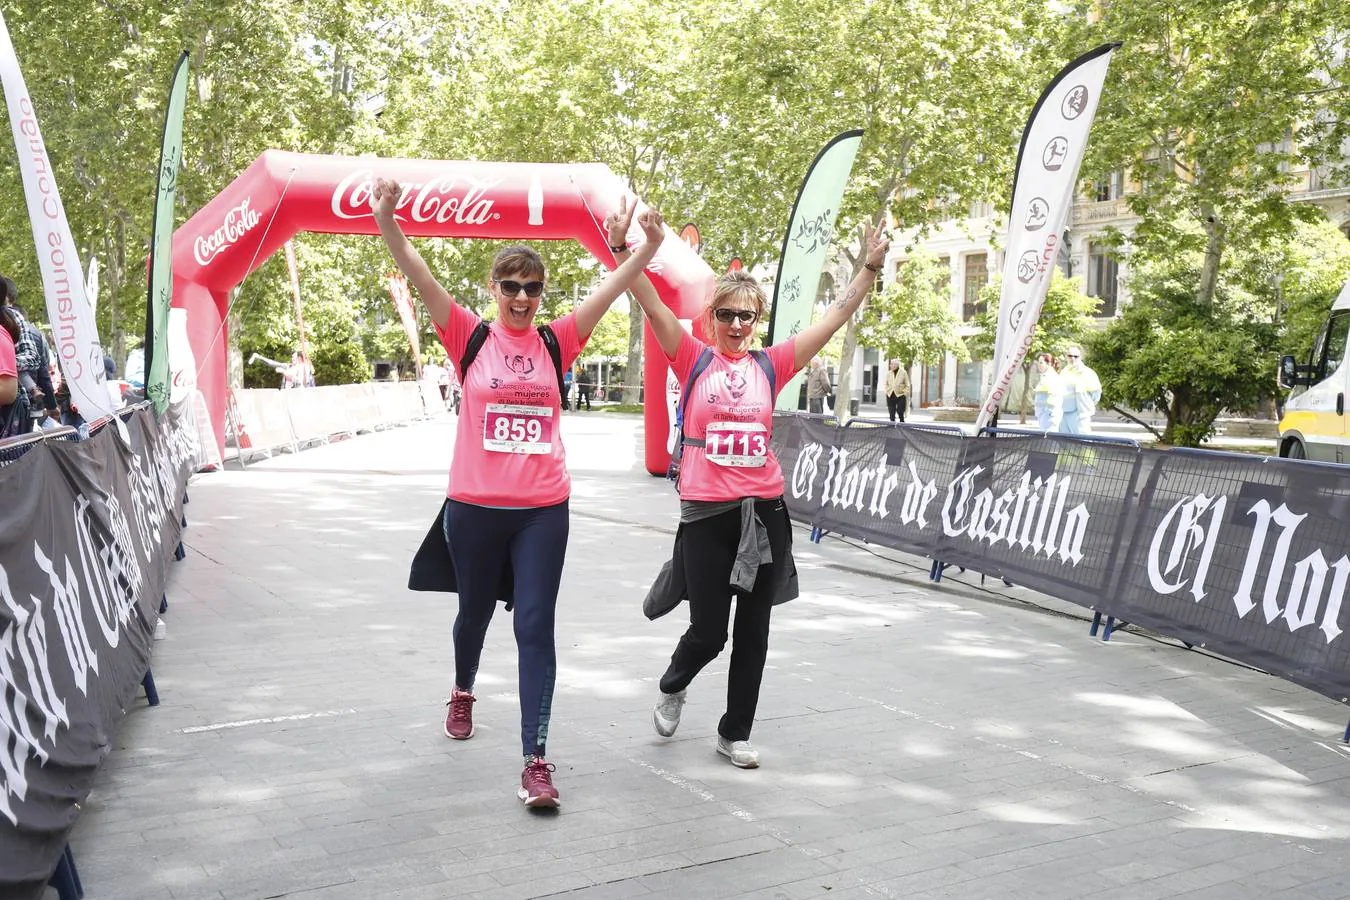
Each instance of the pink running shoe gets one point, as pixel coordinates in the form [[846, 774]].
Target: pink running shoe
[[459, 720], [536, 784]]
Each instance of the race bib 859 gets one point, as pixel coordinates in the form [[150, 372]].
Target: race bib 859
[[511, 428]]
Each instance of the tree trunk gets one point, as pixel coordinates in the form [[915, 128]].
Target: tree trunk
[[843, 391], [1189, 420], [844, 387], [1026, 394], [632, 372], [1214, 244], [111, 277]]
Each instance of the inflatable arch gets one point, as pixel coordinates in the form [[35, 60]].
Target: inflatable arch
[[283, 193]]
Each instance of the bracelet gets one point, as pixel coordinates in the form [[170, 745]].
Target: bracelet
[[618, 248], [871, 268]]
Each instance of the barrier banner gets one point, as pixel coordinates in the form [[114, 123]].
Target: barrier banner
[[89, 527], [363, 412], [1246, 557], [309, 412], [1243, 555]]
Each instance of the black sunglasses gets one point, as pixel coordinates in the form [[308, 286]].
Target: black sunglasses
[[727, 316], [512, 288]]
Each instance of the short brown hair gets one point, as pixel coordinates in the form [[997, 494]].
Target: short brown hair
[[518, 259], [733, 285]]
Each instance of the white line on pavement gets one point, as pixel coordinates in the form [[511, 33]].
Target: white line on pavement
[[246, 722]]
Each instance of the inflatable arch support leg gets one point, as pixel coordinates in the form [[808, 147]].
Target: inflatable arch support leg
[[283, 193]]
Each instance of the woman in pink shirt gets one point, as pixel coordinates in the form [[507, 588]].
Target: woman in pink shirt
[[9, 375], [734, 536], [509, 487]]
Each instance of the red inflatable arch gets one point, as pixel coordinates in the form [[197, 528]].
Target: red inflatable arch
[[283, 193]]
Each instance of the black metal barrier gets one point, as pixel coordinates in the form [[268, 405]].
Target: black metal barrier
[[87, 527], [1244, 555]]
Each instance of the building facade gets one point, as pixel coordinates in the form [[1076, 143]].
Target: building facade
[[970, 250]]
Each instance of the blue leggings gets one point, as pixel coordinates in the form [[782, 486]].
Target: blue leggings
[[534, 543]]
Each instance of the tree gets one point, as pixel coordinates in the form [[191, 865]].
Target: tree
[[942, 90], [1209, 106], [610, 337], [1063, 322], [1305, 275], [585, 81], [1187, 358], [264, 73], [912, 320]]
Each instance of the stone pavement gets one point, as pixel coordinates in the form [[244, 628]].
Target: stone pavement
[[918, 740]]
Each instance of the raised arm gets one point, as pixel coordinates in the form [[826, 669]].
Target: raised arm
[[812, 338], [664, 324], [594, 307], [383, 200]]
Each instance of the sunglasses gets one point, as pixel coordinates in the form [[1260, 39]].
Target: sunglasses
[[512, 288], [1074, 356], [727, 316]]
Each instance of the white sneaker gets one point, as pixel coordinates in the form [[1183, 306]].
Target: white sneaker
[[739, 752], [666, 715]]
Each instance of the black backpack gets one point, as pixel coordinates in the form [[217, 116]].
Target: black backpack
[[14, 419], [479, 336]]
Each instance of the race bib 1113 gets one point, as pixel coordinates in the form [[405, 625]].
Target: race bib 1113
[[740, 444]]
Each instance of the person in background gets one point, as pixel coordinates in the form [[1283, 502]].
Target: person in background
[[434, 374], [110, 379], [9, 379], [507, 501], [1049, 394], [134, 369], [68, 415], [584, 385], [1081, 391], [817, 388], [897, 391], [34, 356], [567, 389], [299, 374], [734, 539]]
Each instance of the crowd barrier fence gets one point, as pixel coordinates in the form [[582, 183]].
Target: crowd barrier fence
[[1243, 555], [89, 523], [266, 420]]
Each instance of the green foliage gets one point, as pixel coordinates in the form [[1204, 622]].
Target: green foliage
[[1311, 270], [710, 111], [1209, 107], [912, 320], [1064, 318], [609, 339], [1063, 321], [1188, 359]]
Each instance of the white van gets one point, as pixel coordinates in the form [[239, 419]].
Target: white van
[[1315, 425]]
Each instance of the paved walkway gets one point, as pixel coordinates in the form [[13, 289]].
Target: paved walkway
[[918, 740]]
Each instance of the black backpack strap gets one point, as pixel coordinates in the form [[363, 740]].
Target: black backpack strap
[[476, 340], [767, 365], [700, 365], [554, 351]]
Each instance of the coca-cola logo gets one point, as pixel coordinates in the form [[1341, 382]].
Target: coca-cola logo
[[449, 198], [236, 224]]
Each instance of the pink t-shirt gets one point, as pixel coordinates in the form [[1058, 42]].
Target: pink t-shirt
[[730, 409], [8, 364], [508, 447]]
